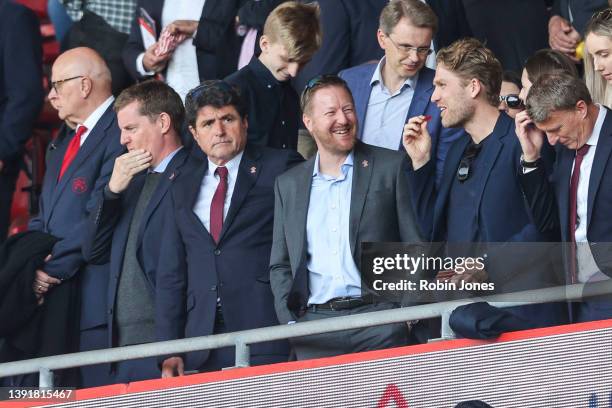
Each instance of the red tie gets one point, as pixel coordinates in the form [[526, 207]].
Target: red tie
[[218, 202], [573, 209], [73, 149]]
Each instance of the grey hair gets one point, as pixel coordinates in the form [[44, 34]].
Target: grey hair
[[556, 92]]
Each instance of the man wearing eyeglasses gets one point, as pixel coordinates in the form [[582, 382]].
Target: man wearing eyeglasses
[[479, 199], [78, 168], [399, 86], [213, 273]]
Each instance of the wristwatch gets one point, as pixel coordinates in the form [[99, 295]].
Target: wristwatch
[[530, 165]]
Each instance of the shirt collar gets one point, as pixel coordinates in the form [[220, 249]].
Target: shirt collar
[[161, 167], [348, 162], [594, 138], [231, 166], [377, 77], [95, 116], [262, 73]]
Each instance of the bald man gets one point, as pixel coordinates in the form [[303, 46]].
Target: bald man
[[79, 165]]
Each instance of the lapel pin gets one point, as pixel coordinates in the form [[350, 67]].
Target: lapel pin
[[364, 163], [171, 177], [253, 170]]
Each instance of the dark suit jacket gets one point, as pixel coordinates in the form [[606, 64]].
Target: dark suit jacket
[[380, 212], [65, 206], [548, 197], [194, 270], [217, 46], [349, 38], [21, 92], [274, 112], [513, 30], [502, 214], [358, 79], [109, 227], [582, 10], [452, 22]]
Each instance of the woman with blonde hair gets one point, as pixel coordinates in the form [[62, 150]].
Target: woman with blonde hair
[[598, 57]]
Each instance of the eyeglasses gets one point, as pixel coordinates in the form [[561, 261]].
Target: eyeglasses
[[512, 100], [55, 84], [405, 49], [465, 165]]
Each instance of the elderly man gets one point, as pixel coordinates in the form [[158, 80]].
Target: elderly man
[[127, 225], [213, 273], [579, 200], [78, 168], [347, 194]]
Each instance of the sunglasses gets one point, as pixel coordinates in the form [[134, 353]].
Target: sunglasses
[[512, 100], [465, 165]]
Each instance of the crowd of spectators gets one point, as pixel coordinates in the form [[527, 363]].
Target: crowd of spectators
[[221, 162]]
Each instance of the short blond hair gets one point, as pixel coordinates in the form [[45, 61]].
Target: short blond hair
[[469, 58], [296, 26]]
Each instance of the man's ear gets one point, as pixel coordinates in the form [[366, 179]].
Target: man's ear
[[193, 132], [164, 122], [582, 108], [307, 122], [475, 88], [264, 43]]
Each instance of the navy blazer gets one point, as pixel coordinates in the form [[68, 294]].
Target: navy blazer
[[65, 207], [217, 46], [194, 270], [109, 227], [548, 196], [21, 91], [358, 79]]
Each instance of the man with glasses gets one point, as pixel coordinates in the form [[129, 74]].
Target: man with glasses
[[479, 199], [399, 86], [213, 273], [78, 168]]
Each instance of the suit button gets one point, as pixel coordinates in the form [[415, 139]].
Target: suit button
[[217, 252], [213, 288]]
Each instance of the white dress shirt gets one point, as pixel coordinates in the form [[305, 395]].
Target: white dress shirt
[[95, 116], [209, 186], [587, 267]]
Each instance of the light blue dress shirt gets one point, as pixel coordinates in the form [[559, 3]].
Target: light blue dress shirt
[[386, 112], [161, 167], [332, 269]]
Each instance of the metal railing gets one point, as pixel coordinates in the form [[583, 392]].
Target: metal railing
[[242, 339]]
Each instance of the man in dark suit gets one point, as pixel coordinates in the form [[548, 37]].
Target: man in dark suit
[[577, 196], [399, 86], [215, 45], [213, 272], [78, 168], [126, 227], [479, 199], [21, 95], [347, 194], [291, 36]]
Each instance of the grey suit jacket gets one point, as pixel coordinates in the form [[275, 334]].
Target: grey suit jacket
[[380, 211]]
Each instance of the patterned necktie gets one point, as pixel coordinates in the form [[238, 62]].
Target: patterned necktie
[[72, 150], [573, 208], [218, 202]]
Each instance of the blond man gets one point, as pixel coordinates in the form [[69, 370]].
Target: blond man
[[291, 36]]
